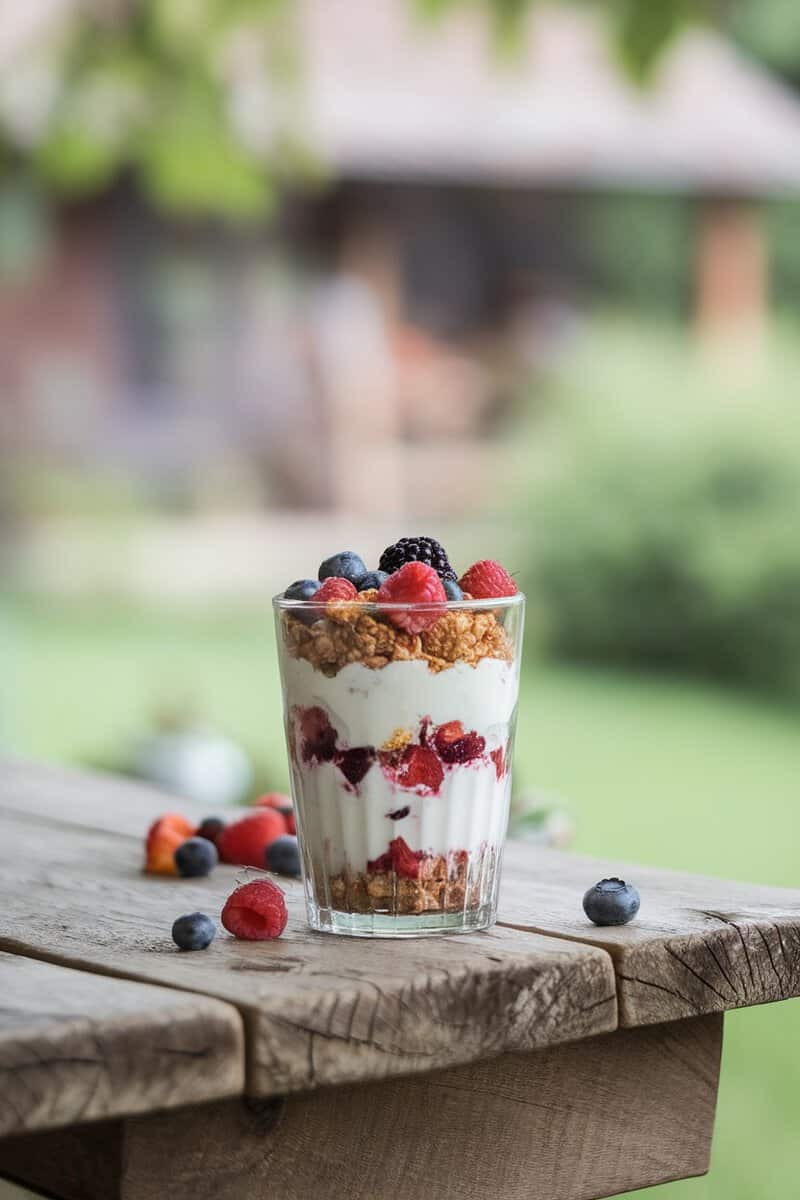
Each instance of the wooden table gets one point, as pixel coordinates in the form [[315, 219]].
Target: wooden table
[[545, 1058]]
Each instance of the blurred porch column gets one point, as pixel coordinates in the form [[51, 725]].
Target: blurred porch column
[[731, 276]]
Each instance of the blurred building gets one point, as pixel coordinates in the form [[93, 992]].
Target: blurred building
[[363, 351]]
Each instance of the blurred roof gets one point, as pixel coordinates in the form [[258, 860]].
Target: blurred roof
[[392, 96]]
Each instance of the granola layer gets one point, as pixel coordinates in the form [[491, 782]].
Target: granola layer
[[356, 632], [386, 892]]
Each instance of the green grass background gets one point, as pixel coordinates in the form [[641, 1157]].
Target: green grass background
[[656, 770]]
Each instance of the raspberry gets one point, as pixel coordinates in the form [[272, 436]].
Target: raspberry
[[419, 768], [335, 589], [163, 838], [245, 841], [455, 746], [415, 583], [487, 580], [256, 911], [417, 549]]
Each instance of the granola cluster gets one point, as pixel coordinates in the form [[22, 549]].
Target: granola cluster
[[435, 889], [355, 632]]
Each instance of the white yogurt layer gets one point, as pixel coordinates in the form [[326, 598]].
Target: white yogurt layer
[[346, 826]]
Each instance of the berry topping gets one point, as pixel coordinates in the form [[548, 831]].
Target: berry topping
[[163, 838], [195, 857], [283, 856], [245, 841], [487, 580], [415, 583], [255, 911], [335, 589], [452, 590], [317, 735], [400, 858], [355, 763], [611, 902], [399, 814], [455, 746], [419, 770], [193, 931], [417, 549], [301, 589], [346, 565], [373, 579], [210, 829]]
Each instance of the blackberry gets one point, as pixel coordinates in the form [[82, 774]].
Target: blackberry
[[417, 549]]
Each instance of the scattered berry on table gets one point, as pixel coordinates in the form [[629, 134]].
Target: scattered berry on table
[[372, 579], [413, 583], [282, 803], [193, 931], [210, 829], [283, 856], [196, 857], [335, 589], [487, 580], [611, 902], [244, 842], [452, 590], [346, 565], [301, 589], [417, 549], [163, 838], [256, 911]]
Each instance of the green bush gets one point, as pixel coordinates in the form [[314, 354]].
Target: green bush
[[670, 536]]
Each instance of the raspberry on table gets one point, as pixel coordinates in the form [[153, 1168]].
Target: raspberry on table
[[256, 911], [417, 549], [487, 580], [414, 583], [333, 588], [244, 842]]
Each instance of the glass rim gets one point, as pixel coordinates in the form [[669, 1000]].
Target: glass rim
[[280, 602]]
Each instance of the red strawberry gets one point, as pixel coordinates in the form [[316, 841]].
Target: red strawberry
[[419, 768], [414, 583], [487, 580], [405, 860], [334, 589], [283, 804], [256, 911], [245, 841]]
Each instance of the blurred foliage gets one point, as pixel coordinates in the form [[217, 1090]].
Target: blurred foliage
[[667, 534], [200, 98]]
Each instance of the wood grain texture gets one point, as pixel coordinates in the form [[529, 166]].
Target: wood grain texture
[[317, 1009], [573, 1122], [698, 945], [78, 1047]]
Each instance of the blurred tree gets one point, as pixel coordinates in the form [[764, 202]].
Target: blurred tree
[[199, 97]]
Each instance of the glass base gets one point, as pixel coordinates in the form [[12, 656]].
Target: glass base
[[350, 924]]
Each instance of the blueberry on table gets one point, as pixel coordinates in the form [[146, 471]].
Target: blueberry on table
[[347, 565], [452, 590], [283, 856], [372, 579], [611, 902], [195, 857], [210, 829], [193, 931], [301, 589]]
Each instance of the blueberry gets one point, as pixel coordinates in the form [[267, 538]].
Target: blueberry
[[301, 589], [196, 856], [346, 565], [210, 829], [193, 931], [611, 902], [283, 855], [452, 590], [372, 579]]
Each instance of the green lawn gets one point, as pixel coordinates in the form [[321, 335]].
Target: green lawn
[[656, 770]]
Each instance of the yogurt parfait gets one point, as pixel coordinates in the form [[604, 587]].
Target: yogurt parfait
[[400, 695]]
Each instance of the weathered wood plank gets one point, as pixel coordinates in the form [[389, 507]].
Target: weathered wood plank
[[78, 1047], [573, 1122], [318, 1009], [698, 945]]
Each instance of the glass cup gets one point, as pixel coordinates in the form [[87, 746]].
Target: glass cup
[[399, 727]]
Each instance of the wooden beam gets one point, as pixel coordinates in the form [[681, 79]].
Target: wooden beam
[[592, 1119]]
